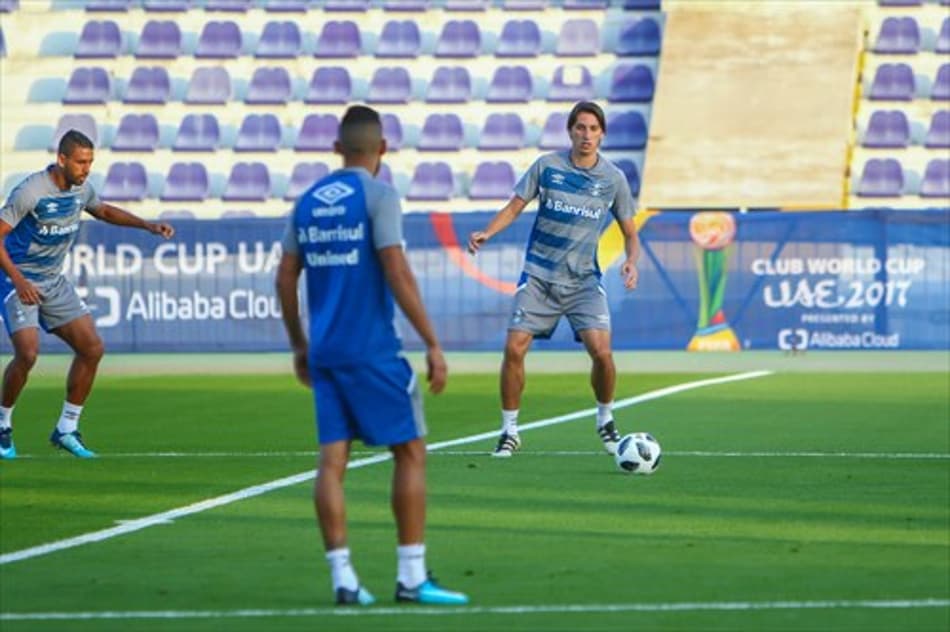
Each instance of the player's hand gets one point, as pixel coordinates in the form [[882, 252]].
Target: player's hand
[[28, 294], [630, 274], [301, 368], [476, 240], [437, 371], [158, 228]]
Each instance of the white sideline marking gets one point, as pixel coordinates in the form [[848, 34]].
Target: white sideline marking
[[256, 490], [470, 610]]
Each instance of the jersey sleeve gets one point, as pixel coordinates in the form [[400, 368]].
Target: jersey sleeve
[[91, 199], [386, 214], [289, 240], [21, 201], [624, 206], [528, 186]]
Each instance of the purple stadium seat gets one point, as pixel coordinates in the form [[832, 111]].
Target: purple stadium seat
[[450, 85], [304, 175], [639, 37], [586, 5], [519, 38], [258, 132], [631, 173], [329, 84], [269, 86], [502, 131], [385, 174], [99, 39], [209, 86], [9, 6], [390, 85], [627, 130], [219, 40], [466, 5], [898, 35], [641, 5], [578, 38], [3, 44], [338, 39], [400, 38], [942, 47], [938, 136], [554, 134], [431, 181], [167, 5], [125, 181], [198, 132], [406, 5], [571, 83], [137, 132], [186, 181], [899, 3], [881, 177], [459, 38], [160, 39], [175, 214], [631, 83], [108, 5], [149, 85], [287, 6], [887, 129], [492, 181], [249, 181], [240, 213], [941, 85], [317, 133], [346, 5], [936, 182], [392, 132], [279, 40], [893, 82], [441, 132], [236, 6], [84, 123], [88, 85], [510, 84], [524, 5]]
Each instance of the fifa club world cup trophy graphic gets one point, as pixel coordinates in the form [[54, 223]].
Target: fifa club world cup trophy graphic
[[713, 233]]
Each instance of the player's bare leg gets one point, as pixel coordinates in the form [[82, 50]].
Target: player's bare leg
[[26, 347], [512, 386], [409, 491], [603, 378], [81, 335]]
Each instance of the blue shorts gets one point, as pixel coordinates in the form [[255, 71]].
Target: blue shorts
[[378, 403]]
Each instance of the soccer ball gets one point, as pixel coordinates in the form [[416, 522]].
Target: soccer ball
[[638, 453]]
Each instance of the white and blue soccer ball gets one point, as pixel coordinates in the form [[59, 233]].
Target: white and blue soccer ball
[[638, 453]]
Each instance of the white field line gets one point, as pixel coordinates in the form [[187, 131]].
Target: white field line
[[256, 490], [851, 604]]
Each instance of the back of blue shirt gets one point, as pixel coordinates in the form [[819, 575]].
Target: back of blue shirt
[[336, 228]]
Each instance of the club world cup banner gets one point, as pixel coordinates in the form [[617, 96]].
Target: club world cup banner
[[709, 280]]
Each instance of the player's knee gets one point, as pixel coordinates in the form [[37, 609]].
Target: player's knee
[[93, 350], [602, 356], [26, 356]]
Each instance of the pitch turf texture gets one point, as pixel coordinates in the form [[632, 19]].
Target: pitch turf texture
[[784, 502]]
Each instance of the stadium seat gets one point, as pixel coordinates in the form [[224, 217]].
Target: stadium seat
[[899, 3], [492, 181], [248, 181], [631, 83], [942, 47], [346, 5], [125, 181], [554, 133], [627, 130], [936, 181], [88, 86], [441, 132], [279, 40], [502, 131], [898, 36], [887, 129], [8, 6], [242, 213], [450, 84], [149, 85], [329, 84], [186, 181], [400, 38], [304, 175], [941, 86], [317, 133], [431, 181], [893, 82], [466, 5], [99, 39], [269, 86], [519, 38], [198, 132], [510, 84], [406, 5], [390, 85], [585, 5], [168, 5], [137, 132], [459, 38], [524, 5], [84, 123], [392, 132], [571, 83], [881, 177], [3, 44], [631, 173], [108, 5], [258, 132], [938, 136], [338, 39], [219, 40], [641, 5], [639, 37], [211, 86], [173, 214], [160, 39], [287, 6], [236, 6], [578, 38]]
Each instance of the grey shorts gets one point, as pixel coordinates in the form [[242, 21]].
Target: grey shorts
[[539, 305], [61, 304]]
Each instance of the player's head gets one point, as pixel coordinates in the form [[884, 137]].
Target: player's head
[[75, 157], [586, 126], [360, 138]]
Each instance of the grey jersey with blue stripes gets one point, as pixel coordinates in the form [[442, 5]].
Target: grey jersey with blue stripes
[[45, 222], [572, 212]]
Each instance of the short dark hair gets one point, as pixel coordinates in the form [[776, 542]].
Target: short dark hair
[[72, 139], [591, 108], [360, 130]]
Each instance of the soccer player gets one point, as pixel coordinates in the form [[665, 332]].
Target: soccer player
[[346, 232], [38, 225], [577, 188]]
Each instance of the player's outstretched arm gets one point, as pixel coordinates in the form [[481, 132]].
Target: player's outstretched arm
[[499, 222], [631, 275], [119, 217], [288, 271]]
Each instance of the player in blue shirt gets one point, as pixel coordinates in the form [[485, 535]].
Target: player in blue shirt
[[576, 189], [38, 226], [346, 233]]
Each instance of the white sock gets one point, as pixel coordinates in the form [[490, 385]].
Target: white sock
[[412, 564], [69, 418], [341, 571], [604, 413], [6, 417], [509, 421]]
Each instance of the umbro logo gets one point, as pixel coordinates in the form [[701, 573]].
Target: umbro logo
[[333, 192]]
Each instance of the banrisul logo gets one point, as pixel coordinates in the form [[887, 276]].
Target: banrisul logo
[[333, 192]]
